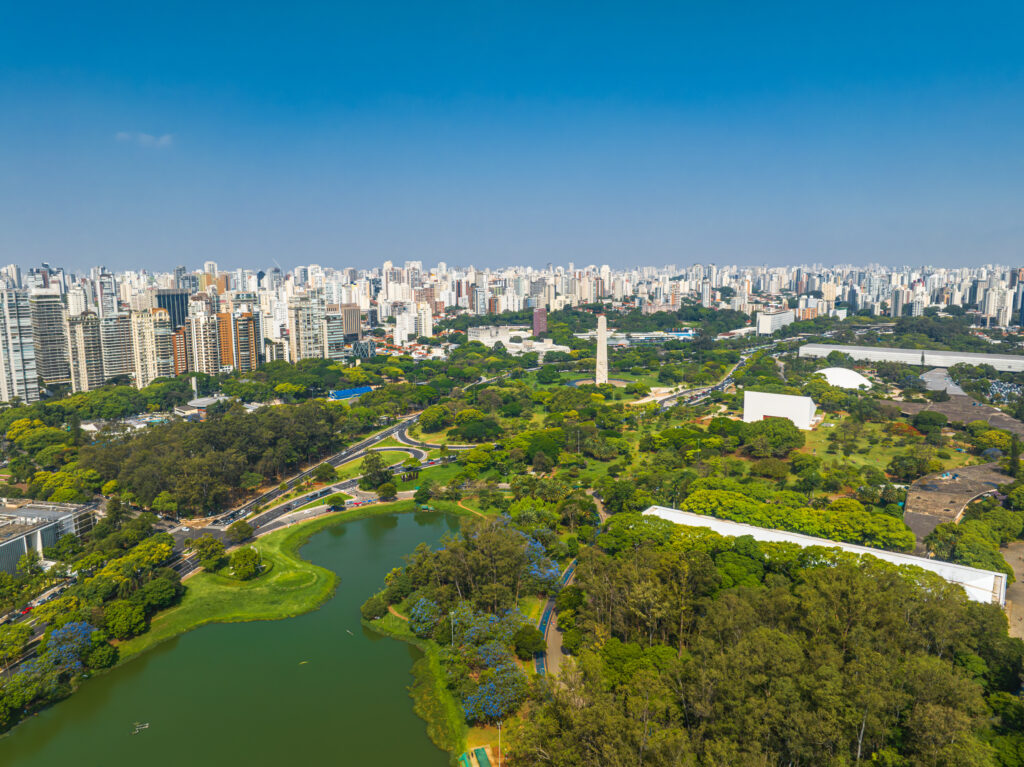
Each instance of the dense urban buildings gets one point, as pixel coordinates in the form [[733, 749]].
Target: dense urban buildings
[[62, 329]]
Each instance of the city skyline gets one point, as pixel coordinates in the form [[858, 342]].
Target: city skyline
[[663, 135], [62, 330]]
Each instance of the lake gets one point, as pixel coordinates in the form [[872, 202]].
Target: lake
[[294, 692]]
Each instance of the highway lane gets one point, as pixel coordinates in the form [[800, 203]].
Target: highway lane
[[350, 453]]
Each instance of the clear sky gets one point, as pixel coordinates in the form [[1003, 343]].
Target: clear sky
[[150, 134]]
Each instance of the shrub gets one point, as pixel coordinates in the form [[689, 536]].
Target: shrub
[[374, 607]]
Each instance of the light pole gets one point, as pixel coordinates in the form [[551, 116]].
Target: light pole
[[499, 743]]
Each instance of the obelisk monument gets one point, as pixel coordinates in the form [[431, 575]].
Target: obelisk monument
[[601, 372]]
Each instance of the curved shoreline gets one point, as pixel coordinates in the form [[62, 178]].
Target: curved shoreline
[[294, 538]]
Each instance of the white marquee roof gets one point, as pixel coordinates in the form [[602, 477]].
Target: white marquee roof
[[980, 585], [845, 378]]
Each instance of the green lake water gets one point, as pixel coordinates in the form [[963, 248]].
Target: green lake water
[[240, 694]]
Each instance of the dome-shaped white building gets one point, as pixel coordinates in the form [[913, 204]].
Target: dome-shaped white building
[[845, 378]]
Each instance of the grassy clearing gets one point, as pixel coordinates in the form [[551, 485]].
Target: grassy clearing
[[292, 587], [390, 442], [355, 468], [438, 476], [330, 500], [878, 455]]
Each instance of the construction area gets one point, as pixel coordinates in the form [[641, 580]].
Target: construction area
[[964, 409], [938, 498]]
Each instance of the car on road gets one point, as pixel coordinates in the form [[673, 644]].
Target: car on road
[[186, 529], [26, 609]]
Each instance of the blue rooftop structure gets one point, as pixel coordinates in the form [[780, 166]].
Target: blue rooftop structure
[[348, 393]]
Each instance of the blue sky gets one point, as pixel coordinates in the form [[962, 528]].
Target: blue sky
[[495, 133]]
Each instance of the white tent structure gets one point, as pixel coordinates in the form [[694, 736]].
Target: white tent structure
[[980, 585], [845, 378], [758, 405]]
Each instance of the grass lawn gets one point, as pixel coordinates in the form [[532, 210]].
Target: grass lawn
[[532, 607], [330, 500], [438, 476], [292, 587], [436, 437], [390, 442], [878, 455], [355, 468]]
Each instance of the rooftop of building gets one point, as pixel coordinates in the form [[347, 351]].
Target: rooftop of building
[[979, 356]]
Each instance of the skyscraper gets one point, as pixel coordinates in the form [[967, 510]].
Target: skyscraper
[[18, 376], [48, 337], [85, 351], [202, 339], [540, 320], [175, 301], [153, 345], [305, 328], [116, 341]]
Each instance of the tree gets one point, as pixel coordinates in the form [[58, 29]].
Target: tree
[[773, 468], [124, 619], [772, 437], [157, 594], [387, 491], [250, 480], [29, 565], [239, 531], [422, 494], [374, 607], [210, 551], [1015, 456], [435, 418], [528, 642], [245, 563], [164, 503], [325, 473], [548, 375], [102, 655], [13, 638], [375, 471]]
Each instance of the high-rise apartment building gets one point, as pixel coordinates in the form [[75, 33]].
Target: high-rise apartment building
[[85, 351], [175, 301], [152, 345], [334, 333], [351, 322], [49, 338], [305, 328], [540, 321], [116, 341], [202, 338], [18, 377], [245, 343]]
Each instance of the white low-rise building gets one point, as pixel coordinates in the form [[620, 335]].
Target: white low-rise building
[[980, 585], [489, 335], [758, 405], [769, 322]]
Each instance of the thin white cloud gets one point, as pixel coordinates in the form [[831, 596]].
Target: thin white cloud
[[145, 139]]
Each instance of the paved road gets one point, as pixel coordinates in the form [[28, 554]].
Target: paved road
[[550, 661]]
